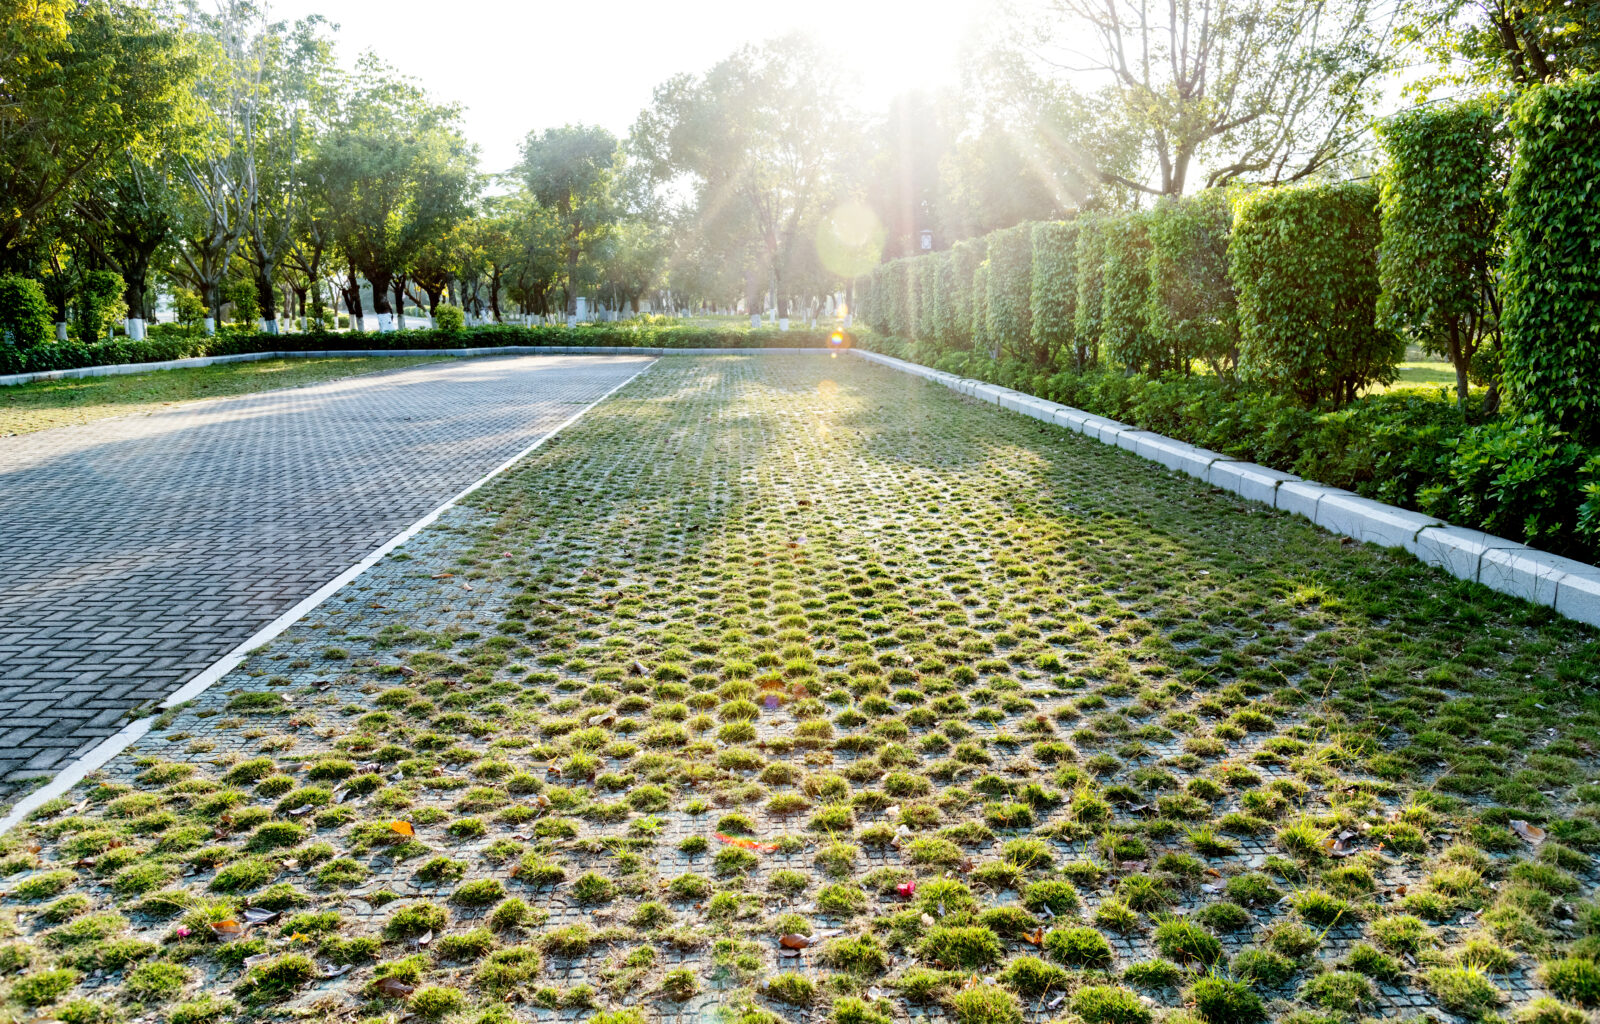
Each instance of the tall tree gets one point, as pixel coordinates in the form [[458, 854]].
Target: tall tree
[[291, 70], [758, 132], [1226, 90], [572, 171], [81, 84], [1506, 42], [395, 175]]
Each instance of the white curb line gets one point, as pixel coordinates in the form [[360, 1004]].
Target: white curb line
[[113, 745], [1571, 587]]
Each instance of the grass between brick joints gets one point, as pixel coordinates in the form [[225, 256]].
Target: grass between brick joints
[[43, 404], [1004, 722]]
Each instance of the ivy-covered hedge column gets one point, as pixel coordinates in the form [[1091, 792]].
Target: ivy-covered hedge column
[[1442, 196], [1305, 263], [1552, 266]]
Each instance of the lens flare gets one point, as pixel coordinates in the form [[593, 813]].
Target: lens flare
[[850, 240]]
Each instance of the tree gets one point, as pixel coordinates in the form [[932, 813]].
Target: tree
[[1442, 196], [1304, 263], [571, 171], [395, 175], [81, 84], [635, 261], [757, 134], [1259, 90], [1496, 43], [290, 71], [132, 212]]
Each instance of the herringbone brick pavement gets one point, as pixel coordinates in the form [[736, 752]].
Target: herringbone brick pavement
[[136, 551]]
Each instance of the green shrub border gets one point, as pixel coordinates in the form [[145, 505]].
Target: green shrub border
[[76, 355]]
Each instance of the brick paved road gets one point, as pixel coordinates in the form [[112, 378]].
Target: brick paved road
[[136, 551]]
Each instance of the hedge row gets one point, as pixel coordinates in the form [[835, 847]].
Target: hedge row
[[73, 355], [1284, 285], [1278, 283]]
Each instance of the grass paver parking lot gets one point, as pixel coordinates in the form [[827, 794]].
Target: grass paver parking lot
[[43, 404], [787, 687]]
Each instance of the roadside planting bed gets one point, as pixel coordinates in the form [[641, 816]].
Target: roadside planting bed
[[786, 687]]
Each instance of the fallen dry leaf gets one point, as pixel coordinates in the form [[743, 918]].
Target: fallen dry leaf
[[394, 988], [1530, 833], [795, 941], [403, 828]]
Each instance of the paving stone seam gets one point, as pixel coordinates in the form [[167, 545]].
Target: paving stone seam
[[108, 748]]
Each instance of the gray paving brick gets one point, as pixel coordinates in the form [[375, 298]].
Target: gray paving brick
[[139, 550]]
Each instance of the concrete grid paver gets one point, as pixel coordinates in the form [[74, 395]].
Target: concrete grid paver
[[136, 551]]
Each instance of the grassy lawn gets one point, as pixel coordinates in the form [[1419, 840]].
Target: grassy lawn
[[57, 403], [1419, 369], [982, 716]]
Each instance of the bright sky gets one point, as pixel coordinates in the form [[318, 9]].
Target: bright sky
[[520, 66]]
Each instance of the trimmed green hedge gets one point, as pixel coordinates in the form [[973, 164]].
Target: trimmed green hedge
[[25, 314], [1008, 294], [1193, 311], [1054, 297], [1123, 325], [965, 258], [1552, 265], [1304, 261], [1091, 278], [1442, 194], [73, 355]]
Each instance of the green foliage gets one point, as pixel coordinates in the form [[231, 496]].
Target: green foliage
[[1193, 311], [1519, 476], [925, 313], [1223, 1001], [1007, 301], [1552, 273], [70, 355], [1304, 262], [1124, 325], [981, 342], [1442, 195], [1086, 314], [99, 304], [25, 315], [449, 320], [1109, 1004], [1054, 293], [965, 258]]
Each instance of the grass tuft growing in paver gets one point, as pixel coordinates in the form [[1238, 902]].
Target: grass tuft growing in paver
[[794, 687]]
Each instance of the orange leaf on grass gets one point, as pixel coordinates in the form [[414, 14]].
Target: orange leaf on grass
[[402, 828]]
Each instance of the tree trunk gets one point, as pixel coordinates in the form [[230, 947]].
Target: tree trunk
[[211, 298], [399, 287], [494, 298], [267, 299], [1459, 358], [572, 273]]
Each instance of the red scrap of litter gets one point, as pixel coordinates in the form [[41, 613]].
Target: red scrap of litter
[[746, 844]]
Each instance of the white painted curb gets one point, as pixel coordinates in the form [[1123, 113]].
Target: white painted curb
[[1571, 587], [111, 746]]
